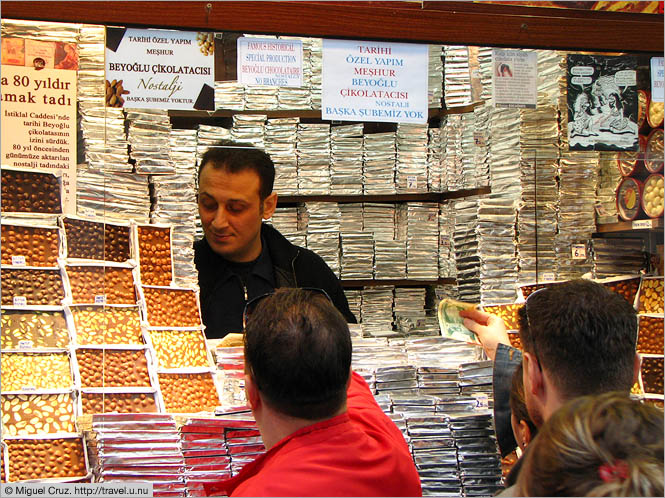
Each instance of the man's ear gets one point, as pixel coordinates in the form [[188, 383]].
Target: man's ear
[[252, 393], [269, 205], [637, 365], [525, 432], [533, 375]]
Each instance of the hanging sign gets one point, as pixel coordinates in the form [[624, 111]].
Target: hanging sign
[[159, 69], [39, 109], [269, 62], [657, 77], [374, 81], [602, 102], [515, 78]]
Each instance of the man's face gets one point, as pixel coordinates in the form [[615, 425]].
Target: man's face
[[231, 212]]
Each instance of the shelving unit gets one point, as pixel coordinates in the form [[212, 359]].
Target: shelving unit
[[412, 197], [628, 226]]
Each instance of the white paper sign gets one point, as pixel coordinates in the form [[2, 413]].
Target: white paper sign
[[515, 78], [161, 69], [374, 81], [657, 77], [578, 251], [269, 62]]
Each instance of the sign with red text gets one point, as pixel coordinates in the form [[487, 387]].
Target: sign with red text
[[159, 69], [374, 81], [269, 62], [38, 122]]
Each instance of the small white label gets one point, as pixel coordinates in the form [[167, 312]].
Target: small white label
[[482, 401], [28, 388], [20, 301], [548, 277], [642, 224], [412, 182], [25, 344], [578, 251], [86, 212], [18, 260], [101, 299]]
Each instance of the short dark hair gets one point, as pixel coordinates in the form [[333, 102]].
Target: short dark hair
[[298, 351], [583, 334], [238, 156], [517, 401]]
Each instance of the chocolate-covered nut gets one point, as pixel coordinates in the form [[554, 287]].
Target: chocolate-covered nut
[[38, 246], [171, 307], [507, 312], [112, 367], [651, 296], [35, 329], [118, 402], [515, 340], [652, 375], [38, 287], [29, 414], [39, 458], [627, 288], [188, 393], [155, 255], [90, 282], [96, 240], [650, 335], [30, 192]]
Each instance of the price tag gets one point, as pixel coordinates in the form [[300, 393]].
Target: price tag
[[101, 299], [86, 212], [25, 344], [20, 301], [18, 260], [482, 402], [28, 388], [548, 277], [480, 139], [578, 251], [642, 224], [412, 182]]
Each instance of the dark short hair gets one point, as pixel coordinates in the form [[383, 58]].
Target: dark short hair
[[517, 402], [298, 351], [237, 156], [583, 334]]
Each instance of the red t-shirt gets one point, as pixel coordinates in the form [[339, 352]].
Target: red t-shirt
[[358, 453]]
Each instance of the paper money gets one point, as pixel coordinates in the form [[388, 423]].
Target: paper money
[[451, 324]]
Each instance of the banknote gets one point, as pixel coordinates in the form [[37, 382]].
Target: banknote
[[451, 324]]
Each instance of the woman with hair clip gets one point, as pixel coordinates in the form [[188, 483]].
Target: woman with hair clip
[[604, 445]]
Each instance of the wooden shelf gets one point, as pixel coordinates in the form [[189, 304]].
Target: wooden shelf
[[415, 197], [301, 113], [349, 284], [629, 226]]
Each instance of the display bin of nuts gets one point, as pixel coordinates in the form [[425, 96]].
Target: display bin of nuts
[[32, 286], [33, 369], [507, 312], [30, 191], [29, 245], [96, 240], [36, 327], [105, 324], [111, 283], [154, 254], [4, 463], [657, 400], [515, 341], [43, 412], [627, 286], [189, 390], [651, 374], [115, 366], [171, 306], [119, 400], [650, 297], [56, 458], [179, 347], [528, 289], [650, 334]]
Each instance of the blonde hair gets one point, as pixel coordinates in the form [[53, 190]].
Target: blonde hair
[[606, 431]]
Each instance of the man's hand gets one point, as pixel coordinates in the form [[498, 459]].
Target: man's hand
[[490, 329]]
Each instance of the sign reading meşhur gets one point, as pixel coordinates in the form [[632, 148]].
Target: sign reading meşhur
[[39, 110], [374, 81], [159, 69]]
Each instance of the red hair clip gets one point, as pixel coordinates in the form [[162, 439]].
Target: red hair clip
[[613, 472]]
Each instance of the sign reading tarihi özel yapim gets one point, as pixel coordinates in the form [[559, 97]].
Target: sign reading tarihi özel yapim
[[159, 69]]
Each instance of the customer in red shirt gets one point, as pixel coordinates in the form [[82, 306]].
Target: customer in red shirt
[[324, 433]]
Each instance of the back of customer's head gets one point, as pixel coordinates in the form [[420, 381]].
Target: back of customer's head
[[603, 445], [298, 351], [583, 334], [523, 427]]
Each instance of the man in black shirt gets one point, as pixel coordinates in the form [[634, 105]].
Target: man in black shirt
[[241, 257]]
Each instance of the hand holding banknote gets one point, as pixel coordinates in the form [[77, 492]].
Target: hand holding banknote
[[489, 329], [452, 323]]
